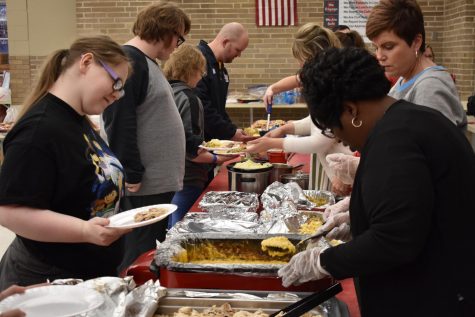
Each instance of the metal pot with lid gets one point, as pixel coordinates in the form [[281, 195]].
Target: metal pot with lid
[[300, 178], [248, 180], [282, 169]]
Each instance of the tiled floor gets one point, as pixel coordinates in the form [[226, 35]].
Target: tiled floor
[[6, 236]]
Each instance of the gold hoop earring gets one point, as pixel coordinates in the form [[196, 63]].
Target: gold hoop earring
[[356, 125], [417, 53]]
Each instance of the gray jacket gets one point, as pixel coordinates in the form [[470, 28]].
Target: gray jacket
[[434, 88], [191, 112]]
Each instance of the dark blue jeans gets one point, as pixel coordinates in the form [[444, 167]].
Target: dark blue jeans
[[184, 199]]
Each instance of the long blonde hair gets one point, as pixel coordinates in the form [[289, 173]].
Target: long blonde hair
[[101, 46], [311, 39]]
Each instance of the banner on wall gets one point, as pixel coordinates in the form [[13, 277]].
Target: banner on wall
[[352, 13], [276, 12]]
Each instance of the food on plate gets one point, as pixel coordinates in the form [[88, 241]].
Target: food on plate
[[233, 150], [278, 246], [215, 143], [319, 201], [224, 310], [225, 251], [251, 165], [311, 225], [149, 214], [251, 131], [262, 124], [320, 198]]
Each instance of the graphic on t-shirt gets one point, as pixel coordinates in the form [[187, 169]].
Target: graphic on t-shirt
[[109, 185]]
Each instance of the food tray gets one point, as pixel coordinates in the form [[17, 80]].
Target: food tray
[[242, 276], [319, 199], [229, 200], [230, 281], [247, 245], [267, 301]]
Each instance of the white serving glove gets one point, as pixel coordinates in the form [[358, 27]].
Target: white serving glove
[[338, 226], [344, 166], [341, 206], [303, 267]]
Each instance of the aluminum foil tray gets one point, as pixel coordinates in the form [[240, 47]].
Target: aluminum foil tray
[[316, 199], [251, 301], [230, 201], [172, 247]]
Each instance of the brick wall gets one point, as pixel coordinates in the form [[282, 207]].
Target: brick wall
[[20, 77], [459, 43], [24, 72], [450, 28]]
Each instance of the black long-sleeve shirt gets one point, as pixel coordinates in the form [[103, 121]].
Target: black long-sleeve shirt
[[212, 91], [412, 218]]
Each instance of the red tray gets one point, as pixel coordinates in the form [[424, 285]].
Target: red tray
[[140, 270]]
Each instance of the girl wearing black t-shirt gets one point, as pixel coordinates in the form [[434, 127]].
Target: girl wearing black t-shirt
[[59, 181]]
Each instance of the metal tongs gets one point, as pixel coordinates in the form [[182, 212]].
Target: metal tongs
[[308, 303], [269, 111], [312, 237]]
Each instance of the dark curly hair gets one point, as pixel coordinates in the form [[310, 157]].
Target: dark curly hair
[[338, 75]]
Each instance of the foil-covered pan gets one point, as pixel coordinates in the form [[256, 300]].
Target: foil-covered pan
[[250, 301], [316, 199], [221, 252], [229, 201], [200, 222]]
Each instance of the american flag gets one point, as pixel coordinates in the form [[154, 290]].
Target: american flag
[[276, 12]]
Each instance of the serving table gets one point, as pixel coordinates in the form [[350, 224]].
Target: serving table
[[220, 182], [141, 272]]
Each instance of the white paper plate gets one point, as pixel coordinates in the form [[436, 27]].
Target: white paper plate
[[54, 300], [226, 153], [226, 145], [126, 219]]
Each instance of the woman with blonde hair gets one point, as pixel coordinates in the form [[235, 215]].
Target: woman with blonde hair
[[310, 40], [59, 181], [184, 69]]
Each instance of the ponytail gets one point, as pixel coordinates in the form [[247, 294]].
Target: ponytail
[[52, 68], [101, 46]]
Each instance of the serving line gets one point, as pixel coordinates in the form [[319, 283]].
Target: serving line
[[220, 183]]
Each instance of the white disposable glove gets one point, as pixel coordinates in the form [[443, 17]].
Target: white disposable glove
[[344, 166], [338, 226], [341, 206], [302, 267]]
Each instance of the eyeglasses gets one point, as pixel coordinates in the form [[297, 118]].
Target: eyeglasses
[[180, 40], [117, 85], [328, 133]]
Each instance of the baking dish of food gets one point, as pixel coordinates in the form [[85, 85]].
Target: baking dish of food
[[199, 302], [224, 261]]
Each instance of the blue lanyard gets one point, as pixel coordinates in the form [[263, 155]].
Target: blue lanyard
[[407, 84]]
